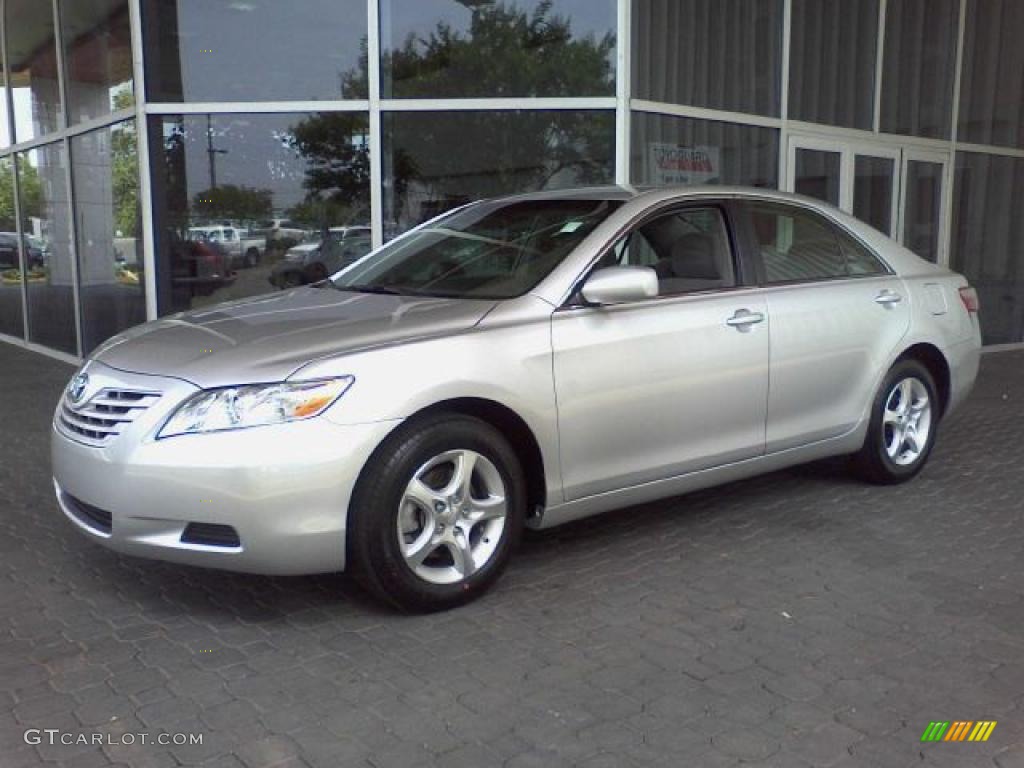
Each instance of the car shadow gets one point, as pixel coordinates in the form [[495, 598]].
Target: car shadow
[[214, 596]]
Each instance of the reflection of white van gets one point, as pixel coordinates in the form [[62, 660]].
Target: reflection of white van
[[285, 229], [235, 242]]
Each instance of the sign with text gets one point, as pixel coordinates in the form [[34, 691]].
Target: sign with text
[[678, 164]]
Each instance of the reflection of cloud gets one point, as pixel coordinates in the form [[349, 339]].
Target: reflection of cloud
[[240, 6]]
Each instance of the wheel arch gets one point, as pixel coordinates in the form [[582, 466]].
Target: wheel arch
[[520, 436], [931, 357]]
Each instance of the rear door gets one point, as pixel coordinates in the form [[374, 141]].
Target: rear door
[[836, 312], [661, 387]]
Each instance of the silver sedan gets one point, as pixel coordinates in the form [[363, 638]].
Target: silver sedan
[[517, 362]]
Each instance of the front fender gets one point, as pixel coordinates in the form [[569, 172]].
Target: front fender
[[509, 365]]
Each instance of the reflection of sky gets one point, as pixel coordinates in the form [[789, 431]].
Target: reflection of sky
[[24, 128], [400, 17], [256, 155], [268, 49]]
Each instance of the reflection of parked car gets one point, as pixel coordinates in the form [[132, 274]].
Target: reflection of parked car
[[243, 250], [312, 262], [199, 266], [283, 231], [9, 251]]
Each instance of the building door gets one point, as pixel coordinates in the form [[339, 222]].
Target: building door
[[899, 191]]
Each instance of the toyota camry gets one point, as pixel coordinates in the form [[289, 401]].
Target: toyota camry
[[519, 362]]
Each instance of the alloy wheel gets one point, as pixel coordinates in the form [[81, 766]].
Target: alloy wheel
[[907, 421], [452, 516]]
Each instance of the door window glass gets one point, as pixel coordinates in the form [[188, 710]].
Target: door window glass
[[818, 174], [688, 249], [795, 245], [923, 208], [872, 191]]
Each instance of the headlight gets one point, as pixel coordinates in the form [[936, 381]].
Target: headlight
[[254, 405]]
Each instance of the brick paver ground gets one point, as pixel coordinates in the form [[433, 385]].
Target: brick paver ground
[[796, 619]]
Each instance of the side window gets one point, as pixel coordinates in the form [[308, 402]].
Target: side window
[[795, 245], [688, 249], [859, 260]]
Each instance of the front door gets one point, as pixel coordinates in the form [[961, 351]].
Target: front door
[[658, 388]]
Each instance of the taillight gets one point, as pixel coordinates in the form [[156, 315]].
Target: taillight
[[969, 297]]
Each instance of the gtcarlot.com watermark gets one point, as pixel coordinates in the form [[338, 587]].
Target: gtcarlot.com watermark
[[55, 736]]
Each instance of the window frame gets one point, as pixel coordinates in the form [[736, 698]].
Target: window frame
[[752, 245], [745, 270]]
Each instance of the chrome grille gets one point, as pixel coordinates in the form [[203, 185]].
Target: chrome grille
[[105, 414]]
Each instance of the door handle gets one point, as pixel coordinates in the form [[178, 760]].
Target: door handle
[[887, 298], [744, 318]]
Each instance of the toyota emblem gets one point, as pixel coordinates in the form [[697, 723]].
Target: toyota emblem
[[77, 387]]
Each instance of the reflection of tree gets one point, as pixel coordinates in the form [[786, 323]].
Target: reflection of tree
[[334, 146], [455, 156], [124, 162], [31, 193], [233, 202], [505, 52]]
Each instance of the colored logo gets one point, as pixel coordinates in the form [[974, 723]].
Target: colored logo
[[77, 387], [958, 730]]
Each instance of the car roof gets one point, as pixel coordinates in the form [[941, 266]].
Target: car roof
[[625, 193]]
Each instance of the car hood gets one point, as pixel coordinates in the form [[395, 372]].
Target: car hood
[[267, 338]]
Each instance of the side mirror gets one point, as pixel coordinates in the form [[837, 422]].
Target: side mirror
[[618, 285]]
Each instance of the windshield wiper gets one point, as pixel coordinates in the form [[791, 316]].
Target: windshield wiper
[[369, 289]]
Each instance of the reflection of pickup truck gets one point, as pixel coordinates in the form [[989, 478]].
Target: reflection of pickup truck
[[236, 244]]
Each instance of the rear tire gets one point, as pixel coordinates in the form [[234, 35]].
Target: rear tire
[[904, 422], [437, 513]]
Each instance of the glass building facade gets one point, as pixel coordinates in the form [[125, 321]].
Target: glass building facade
[[162, 155]]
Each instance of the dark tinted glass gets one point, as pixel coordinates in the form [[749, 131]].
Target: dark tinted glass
[[680, 150], [922, 208], [991, 107], [832, 62], [97, 42], [32, 58], [817, 174], [452, 48], [435, 161], [795, 245], [873, 191], [724, 54], [109, 230], [233, 194], [490, 250], [920, 64], [46, 224], [257, 50], [988, 231], [10, 264]]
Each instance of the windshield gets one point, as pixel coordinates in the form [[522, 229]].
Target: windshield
[[490, 250]]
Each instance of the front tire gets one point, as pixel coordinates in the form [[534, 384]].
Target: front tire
[[437, 513], [904, 421]]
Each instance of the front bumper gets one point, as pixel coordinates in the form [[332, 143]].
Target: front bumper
[[285, 489]]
